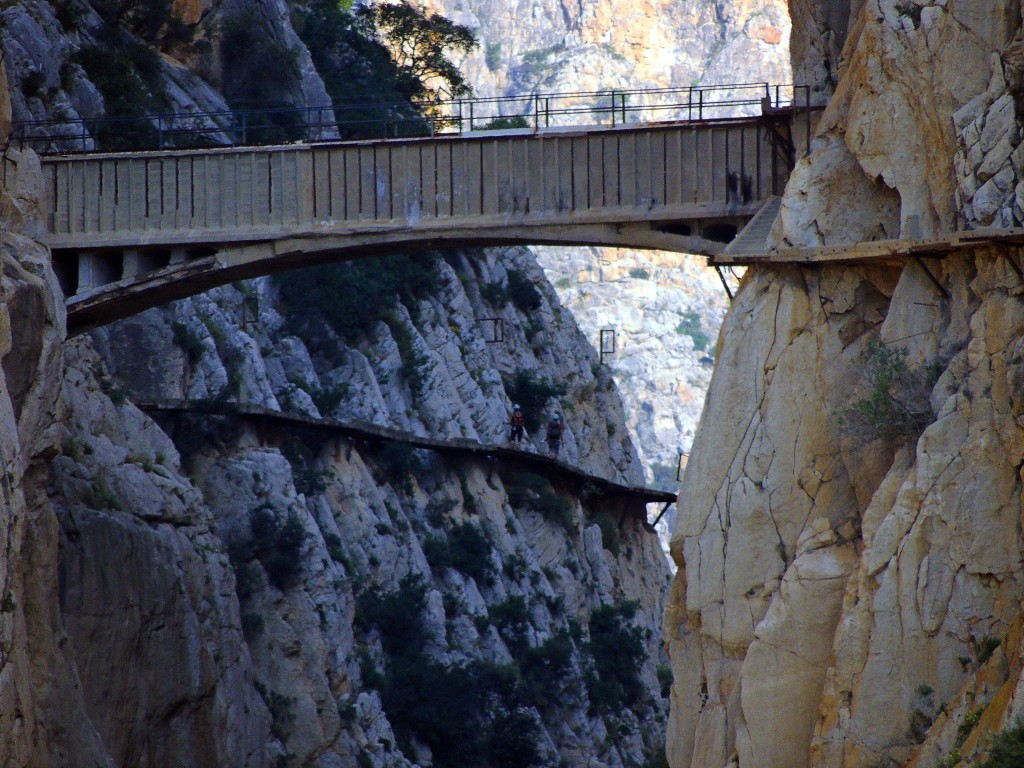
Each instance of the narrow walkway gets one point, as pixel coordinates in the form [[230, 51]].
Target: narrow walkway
[[542, 464], [881, 250]]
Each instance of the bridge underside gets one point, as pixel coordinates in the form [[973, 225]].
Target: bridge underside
[[113, 282]]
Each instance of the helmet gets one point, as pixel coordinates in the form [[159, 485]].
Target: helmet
[[515, 407], [556, 417]]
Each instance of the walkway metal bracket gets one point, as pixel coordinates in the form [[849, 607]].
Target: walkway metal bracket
[[721, 276], [250, 311], [931, 276], [679, 466], [607, 343], [497, 328], [661, 514]]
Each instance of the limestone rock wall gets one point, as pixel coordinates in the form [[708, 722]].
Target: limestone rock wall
[[559, 46], [194, 588], [290, 672], [849, 596]]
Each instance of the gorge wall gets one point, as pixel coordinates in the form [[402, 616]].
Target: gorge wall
[[849, 543], [219, 590]]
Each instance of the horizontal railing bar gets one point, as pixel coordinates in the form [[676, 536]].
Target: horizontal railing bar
[[248, 127]]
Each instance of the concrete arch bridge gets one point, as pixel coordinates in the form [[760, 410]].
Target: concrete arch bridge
[[132, 230]]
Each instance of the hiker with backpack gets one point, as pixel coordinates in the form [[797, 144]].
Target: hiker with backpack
[[516, 423], [554, 434]]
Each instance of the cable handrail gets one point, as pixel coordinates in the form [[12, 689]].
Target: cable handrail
[[360, 120]]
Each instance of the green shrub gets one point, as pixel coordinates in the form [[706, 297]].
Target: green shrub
[[971, 719], [546, 667], [308, 480], [665, 680], [277, 545], [494, 294], [532, 393], [617, 655], [466, 549], [363, 81], [259, 74], [513, 739], [515, 567], [1007, 750], [327, 398], [252, 625], [492, 55], [335, 549], [690, 326], [33, 84], [897, 401], [471, 552], [398, 464], [189, 341], [465, 713], [511, 617], [127, 75], [610, 537], [351, 298], [505, 123], [522, 292], [987, 648], [529, 490], [413, 362]]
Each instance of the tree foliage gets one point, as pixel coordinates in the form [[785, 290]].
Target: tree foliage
[[419, 44], [896, 402], [1007, 749]]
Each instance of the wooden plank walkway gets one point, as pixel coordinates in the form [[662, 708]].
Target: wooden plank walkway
[[362, 430], [879, 250]]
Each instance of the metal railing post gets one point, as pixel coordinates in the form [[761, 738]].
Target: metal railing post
[[471, 105], [159, 132], [613, 109], [700, 104], [245, 128], [547, 111], [536, 111]]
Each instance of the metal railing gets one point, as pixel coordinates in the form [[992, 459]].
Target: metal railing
[[362, 121]]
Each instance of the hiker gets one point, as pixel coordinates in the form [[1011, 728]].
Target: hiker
[[516, 422], [554, 434]]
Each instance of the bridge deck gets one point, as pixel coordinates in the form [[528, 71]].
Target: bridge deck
[[540, 463], [125, 227]]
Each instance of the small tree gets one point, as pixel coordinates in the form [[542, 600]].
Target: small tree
[[896, 402], [419, 44]]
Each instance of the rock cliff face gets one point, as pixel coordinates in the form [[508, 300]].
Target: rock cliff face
[[242, 592], [849, 588], [562, 46]]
